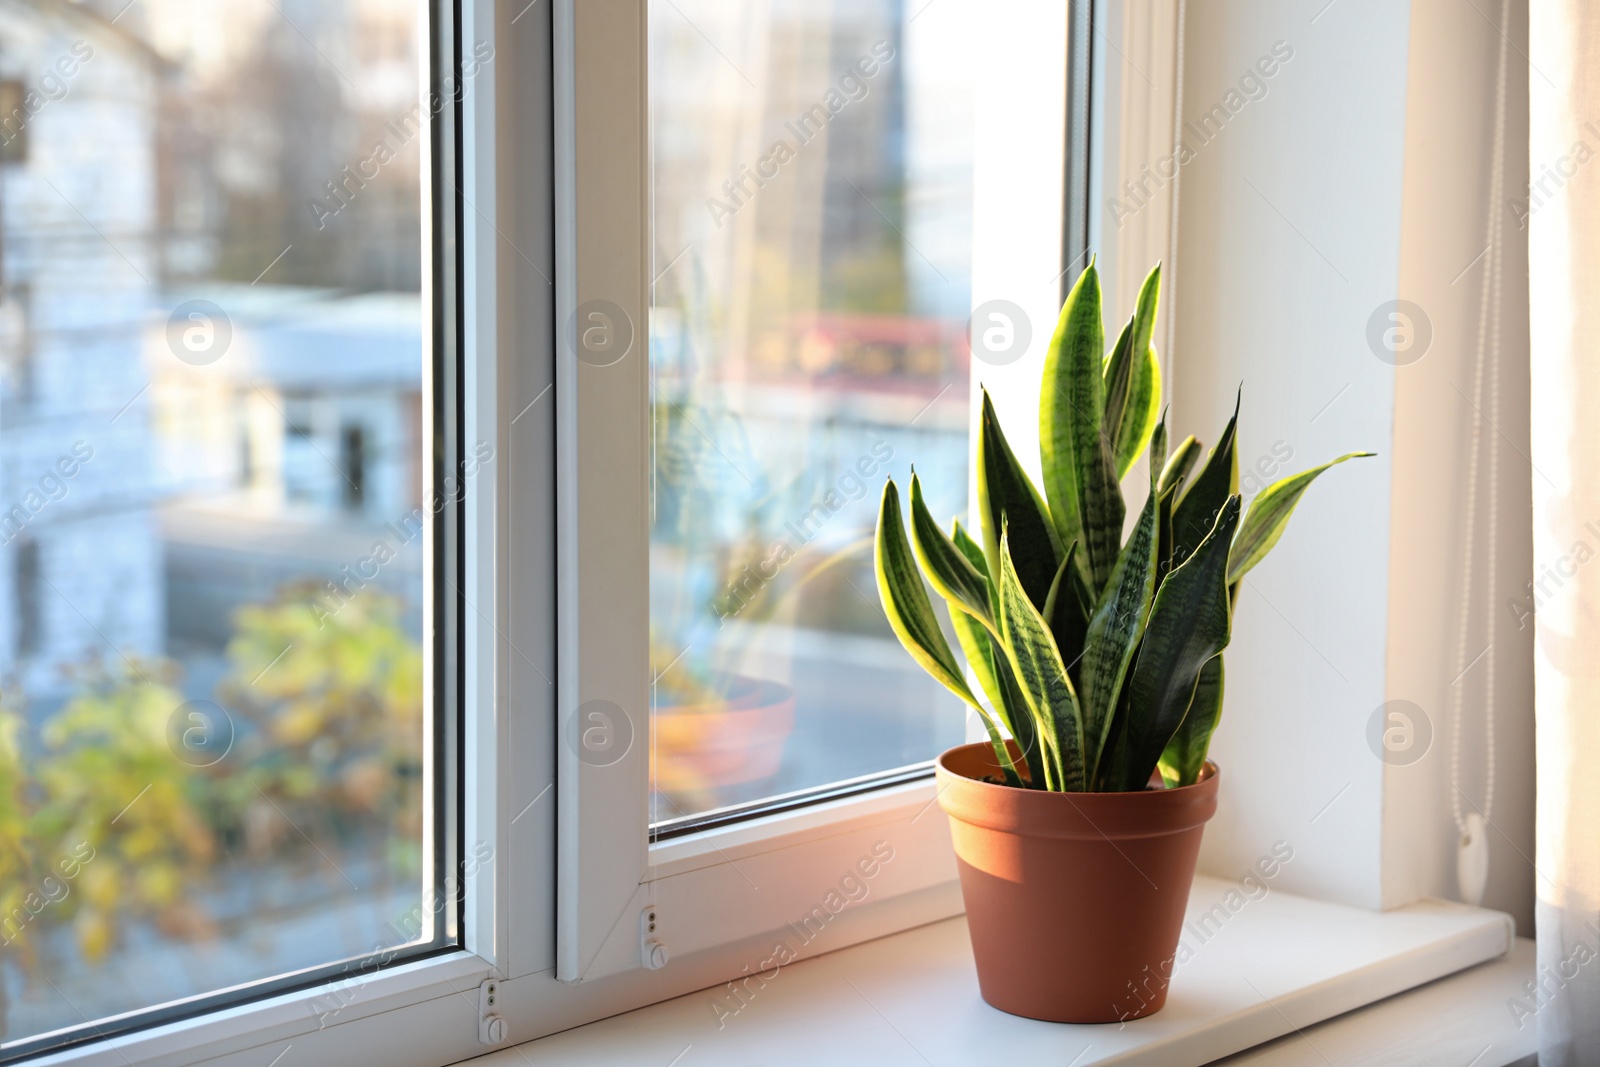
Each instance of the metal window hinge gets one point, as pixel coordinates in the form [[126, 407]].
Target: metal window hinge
[[491, 1028]]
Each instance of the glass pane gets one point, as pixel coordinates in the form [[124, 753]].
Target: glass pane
[[812, 215], [211, 473]]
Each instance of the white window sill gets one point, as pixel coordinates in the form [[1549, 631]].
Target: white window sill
[[1459, 1021], [1277, 965]]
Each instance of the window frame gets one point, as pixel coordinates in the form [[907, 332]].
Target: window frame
[[700, 885], [324, 1012], [528, 918]]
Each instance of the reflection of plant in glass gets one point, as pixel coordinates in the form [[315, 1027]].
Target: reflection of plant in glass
[[719, 512], [107, 778], [710, 495], [337, 702]]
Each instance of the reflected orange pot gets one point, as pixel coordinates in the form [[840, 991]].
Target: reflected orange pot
[[1075, 901], [721, 743]]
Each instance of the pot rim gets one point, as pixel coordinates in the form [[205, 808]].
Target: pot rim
[[1207, 772], [1094, 816]]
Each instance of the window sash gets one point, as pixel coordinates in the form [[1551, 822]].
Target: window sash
[[700, 883], [602, 219], [314, 1006]]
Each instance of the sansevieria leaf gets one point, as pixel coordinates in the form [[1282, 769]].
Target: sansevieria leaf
[[994, 675], [1269, 514], [1006, 698], [1079, 469], [1185, 754], [1198, 508], [1144, 313], [1164, 539], [1034, 744], [1114, 631], [1095, 663], [1066, 612], [979, 651], [1078, 343], [1133, 381], [1116, 379], [1006, 496], [911, 616], [1041, 675], [1180, 463], [974, 553], [906, 603], [948, 571], [1158, 453], [1189, 623]]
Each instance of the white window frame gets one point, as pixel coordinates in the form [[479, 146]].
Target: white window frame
[[353, 1019], [570, 840], [720, 896]]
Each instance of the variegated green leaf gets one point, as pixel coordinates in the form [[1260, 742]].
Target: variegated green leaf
[[906, 603], [1006, 496], [1144, 314], [974, 553], [1269, 514], [1035, 745], [1201, 503], [911, 617], [1116, 381], [1144, 397], [971, 549], [1133, 381], [1158, 452], [1185, 754], [1041, 675], [1078, 343], [1066, 612], [1106, 776], [1079, 469], [1005, 696], [979, 651], [1180, 463], [999, 685], [948, 571], [1114, 631], [1165, 504], [1189, 623], [977, 642]]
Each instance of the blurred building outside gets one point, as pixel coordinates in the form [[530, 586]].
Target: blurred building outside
[[152, 155]]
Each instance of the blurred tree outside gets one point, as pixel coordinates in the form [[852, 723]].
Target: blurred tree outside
[[335, 693], [15, 857], [115, 805], [105, 822]]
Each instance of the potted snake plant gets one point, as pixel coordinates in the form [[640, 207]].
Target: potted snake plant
[[1077, 824]]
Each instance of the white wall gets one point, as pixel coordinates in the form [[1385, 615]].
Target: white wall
[[1453, 57], [1289, 237], [1358, 177]]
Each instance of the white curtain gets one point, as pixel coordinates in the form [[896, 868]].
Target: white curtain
[[1564, 294]]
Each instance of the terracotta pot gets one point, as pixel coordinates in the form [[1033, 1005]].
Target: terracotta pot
[[717, 744], [1075, 901]]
